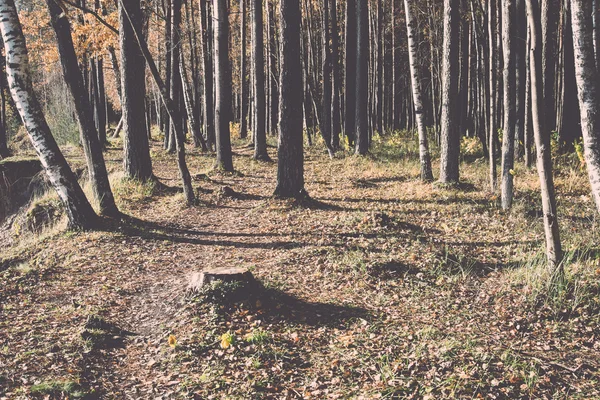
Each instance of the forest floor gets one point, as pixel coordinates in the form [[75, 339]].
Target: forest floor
[[381, 286]]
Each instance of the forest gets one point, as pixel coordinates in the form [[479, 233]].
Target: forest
[[299, 199]]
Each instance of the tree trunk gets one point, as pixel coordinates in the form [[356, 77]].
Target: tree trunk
[[136, 155], [79, 211], [207, 62], [83, 111], [542, 139], [426, 173], [326, 74], [520, 72], [290, 165], [588, 91], [493, 128], [272, 76], [350, 72], [508, 132], [258, 66], [174, 77], [170, 105], [450, 136], [223, 86], [549, 16], [4, 152], [335, 78], [361, 123], [193, 123], [243, 80]]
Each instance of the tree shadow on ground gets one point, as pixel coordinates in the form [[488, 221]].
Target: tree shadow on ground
[[134, 227], [275, 306]]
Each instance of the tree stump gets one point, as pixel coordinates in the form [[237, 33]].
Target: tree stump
[[226, 274]]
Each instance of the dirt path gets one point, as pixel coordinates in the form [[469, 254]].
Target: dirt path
[[385, 287]]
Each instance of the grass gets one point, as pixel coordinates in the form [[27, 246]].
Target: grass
[[55, 388]]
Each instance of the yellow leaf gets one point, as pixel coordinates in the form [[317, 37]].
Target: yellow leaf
[[512, 172], [226, 340], [172, 341]]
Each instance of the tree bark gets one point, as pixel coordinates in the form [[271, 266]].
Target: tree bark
[[258, 67], [79, 211], [136, 155], [4, 152], [335, 78], [223, 86], [588, 91], [493, 128], [450, 136], [83, 111], [424, 157], [207, 63], [542, 140], [350, 72], [508, 132], [243, 72], [326, 74], [361, 123], [290, 164], [549, 18], [170, 105]]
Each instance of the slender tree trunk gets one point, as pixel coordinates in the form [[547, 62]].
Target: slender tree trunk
[[290, 165], [258, 61], [79, 211], [193, 123], [350, 72], [520, 72], [588, 91], [528, 121], [493, 128], [326, 74], [549, 14], [243, 80], [508, 136], [83, 111], [450, 136], [207, 61], [335, 79], [174, 77], [223, 86], [542, 140], [272, 75], [4, 152], [378, 126], [426, 173], [596, 22], [361, 123]]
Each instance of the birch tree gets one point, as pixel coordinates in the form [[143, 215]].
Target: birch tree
[[588, 90], [79, 211], [425, 159]]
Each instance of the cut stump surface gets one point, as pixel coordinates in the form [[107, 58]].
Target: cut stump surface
[[233, 274]]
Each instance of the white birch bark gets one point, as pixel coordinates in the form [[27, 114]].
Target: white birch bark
[[587, 88], [425, 159], [78, 209]]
